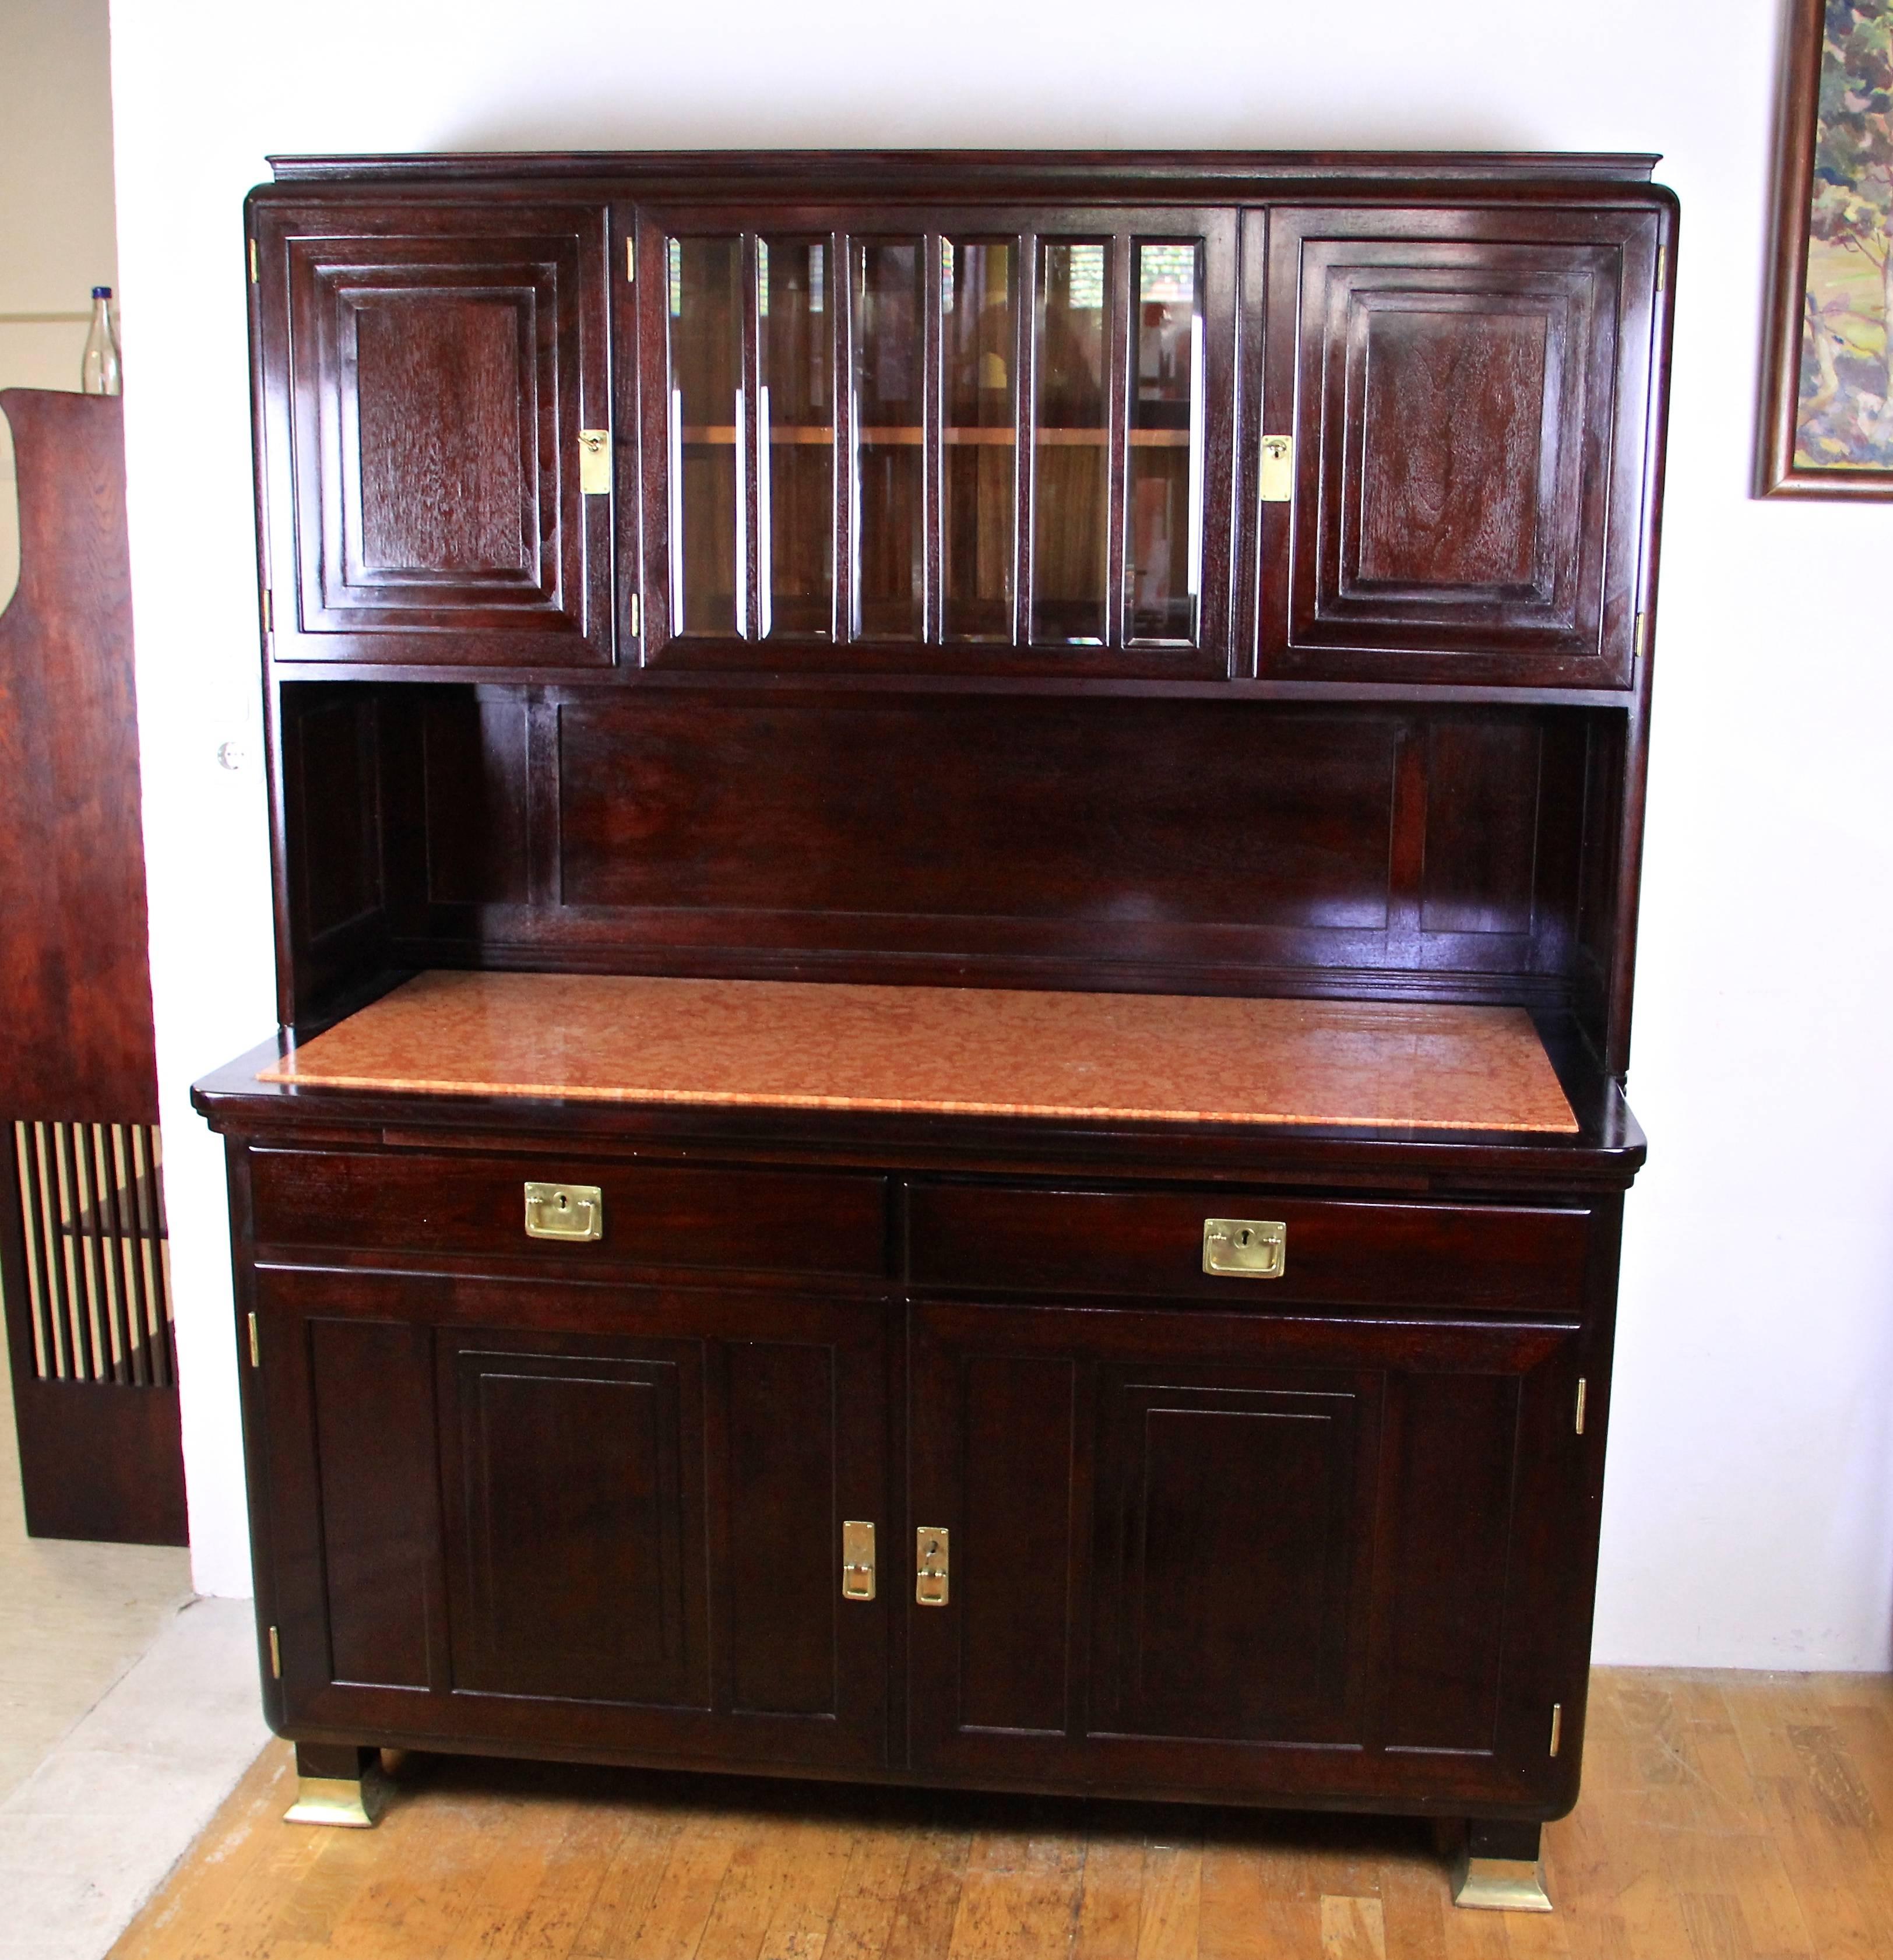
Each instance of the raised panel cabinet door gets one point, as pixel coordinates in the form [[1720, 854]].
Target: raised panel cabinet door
[[428, 373], [1212, 1553], [590, 1516], [1467, 395], [650, 1519]]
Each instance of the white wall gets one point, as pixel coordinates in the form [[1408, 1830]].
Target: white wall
[[1747, 1521], [56, 238]]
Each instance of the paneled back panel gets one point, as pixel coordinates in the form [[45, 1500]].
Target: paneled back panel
[[1154, 845]]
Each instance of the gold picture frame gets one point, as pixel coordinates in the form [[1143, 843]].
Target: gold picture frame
[[1827, 377]]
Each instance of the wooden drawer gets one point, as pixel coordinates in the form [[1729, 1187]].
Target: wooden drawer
[[755, 1221], [1487, 1258]]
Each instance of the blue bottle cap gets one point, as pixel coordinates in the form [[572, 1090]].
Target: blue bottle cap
[[101, 292]]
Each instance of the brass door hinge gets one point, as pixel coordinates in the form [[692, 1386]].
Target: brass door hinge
[[634, 613], [269, 613], [255, 1350], [276, 1656], [252, 261], [1580, 1405], [594, 463], [857, 1559], [1640, 637], [1275, 481], [1663, 266], [930, 1577], [631, 262], [1558, 1725]]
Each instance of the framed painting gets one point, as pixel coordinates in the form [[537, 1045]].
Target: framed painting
[[1827, 407]]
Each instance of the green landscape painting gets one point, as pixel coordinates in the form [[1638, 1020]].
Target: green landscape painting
[[1844, 419]]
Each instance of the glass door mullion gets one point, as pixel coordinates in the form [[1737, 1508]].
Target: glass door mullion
[[1117, 423], [933, 611], [840, 299], [847, 476], [1024, 577], [752, 482]]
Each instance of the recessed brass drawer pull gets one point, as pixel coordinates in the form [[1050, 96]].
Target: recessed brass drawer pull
[[564, 1211], [1249, 1248]]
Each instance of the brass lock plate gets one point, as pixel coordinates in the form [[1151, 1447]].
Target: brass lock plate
[[1250, 1248], [594, 463], [930, 1562], [573, 1211], [1276, 478], [857, 1559]]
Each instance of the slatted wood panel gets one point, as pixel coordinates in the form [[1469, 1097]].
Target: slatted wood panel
[[97, 1254], [1724, 1815]]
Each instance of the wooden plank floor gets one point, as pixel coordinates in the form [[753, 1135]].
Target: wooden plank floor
[[1725, 1817]]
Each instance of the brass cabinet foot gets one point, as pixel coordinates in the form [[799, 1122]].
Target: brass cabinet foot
[[1497, 1868], [337, 1786], [354, 1803], [1499, 1885]]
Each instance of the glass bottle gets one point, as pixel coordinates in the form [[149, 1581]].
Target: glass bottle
[[99, 365]]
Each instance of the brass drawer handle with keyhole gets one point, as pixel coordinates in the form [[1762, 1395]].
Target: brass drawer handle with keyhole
[[573, 1211], [1249, 1249]]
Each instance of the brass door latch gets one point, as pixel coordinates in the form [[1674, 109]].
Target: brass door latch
[[857, 1559], [564, 1211], [594, 463], [930, 1563], [1250, 1248]]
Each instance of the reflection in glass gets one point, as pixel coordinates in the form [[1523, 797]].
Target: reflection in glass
[[795, 431], [1164, 497], [707, 539], [1071, 454], [979, 430], [890, 425]]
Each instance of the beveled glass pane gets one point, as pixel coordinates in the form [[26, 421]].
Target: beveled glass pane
[[890, 426], [708, 518], [1164, 496], [795, 426], [1071, 443], [979, 431]]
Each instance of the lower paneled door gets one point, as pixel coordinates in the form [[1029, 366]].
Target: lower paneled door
[[606, 1518], [1208, 1551]]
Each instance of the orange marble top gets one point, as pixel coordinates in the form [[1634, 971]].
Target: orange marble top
[[970, 1051]]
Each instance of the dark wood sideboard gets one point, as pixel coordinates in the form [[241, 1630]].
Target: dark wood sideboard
[[955, 844]]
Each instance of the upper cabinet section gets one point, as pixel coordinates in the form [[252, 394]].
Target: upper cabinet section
[[429, 374], [1289, 423], [990, 441], [1454, 410]]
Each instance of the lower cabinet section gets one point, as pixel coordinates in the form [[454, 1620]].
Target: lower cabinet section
[[1168, 1550], [596, 1517]]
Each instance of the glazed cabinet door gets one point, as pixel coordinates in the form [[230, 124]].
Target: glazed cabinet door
[[590, 1516], [429, 376], [1451, 474], [985, 440], [1206, 1552]]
